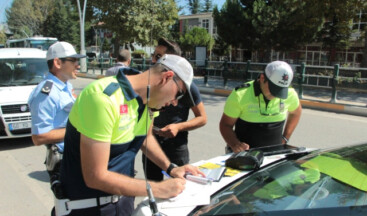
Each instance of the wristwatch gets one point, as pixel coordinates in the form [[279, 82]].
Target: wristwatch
[[170, 167]]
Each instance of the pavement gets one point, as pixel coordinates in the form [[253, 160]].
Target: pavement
[[347, 102]]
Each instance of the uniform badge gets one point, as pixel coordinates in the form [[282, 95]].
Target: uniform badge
[[281, 106], [123, 109], [46, 88]]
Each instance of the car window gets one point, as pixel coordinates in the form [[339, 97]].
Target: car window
[[22, 71], [331, 180]]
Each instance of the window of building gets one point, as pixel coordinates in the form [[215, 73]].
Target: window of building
[[205, 24]]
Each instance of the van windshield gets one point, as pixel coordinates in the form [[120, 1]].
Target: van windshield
[[20, 72]]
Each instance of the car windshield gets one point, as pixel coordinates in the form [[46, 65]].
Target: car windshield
[[17, 72], [335, 180]]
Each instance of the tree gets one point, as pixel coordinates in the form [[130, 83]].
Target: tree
[[207, 6], [337, 29], [265, 25], [25, 17], [221, 48], [194, 6], [135, 21], [2, 37], [62, 22], [196, 37]]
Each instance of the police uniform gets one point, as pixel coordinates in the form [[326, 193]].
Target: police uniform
[[260, 121], [107, 110], [175, 148], [50, 103]]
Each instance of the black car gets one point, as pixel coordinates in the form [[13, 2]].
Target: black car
[[328, 182]]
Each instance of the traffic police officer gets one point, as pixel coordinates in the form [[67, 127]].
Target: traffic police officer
[[258, 110], [107, 126], [51, 101]]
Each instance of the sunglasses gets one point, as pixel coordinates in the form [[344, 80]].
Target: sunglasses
[[73, 60], [156, 56], [180, 93]]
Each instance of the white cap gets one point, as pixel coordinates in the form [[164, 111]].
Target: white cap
[[62, 50], [280, 75], [181, 67]]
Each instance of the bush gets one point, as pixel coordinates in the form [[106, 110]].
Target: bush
[[139, 54]]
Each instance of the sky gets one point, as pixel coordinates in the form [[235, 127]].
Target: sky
[[4, 4]]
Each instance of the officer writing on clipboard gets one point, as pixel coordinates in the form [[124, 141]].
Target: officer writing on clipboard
[[256, 112], [51, 101], [109, 122]]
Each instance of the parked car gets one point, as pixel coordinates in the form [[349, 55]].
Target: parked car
[[320, 182], [21, 69]]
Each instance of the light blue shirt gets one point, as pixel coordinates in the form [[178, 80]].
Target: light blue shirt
[[51, 111]]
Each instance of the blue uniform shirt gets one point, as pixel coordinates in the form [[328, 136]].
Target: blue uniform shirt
[[50, 111]]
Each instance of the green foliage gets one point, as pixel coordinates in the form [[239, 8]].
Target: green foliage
[[25, 17], [221, 48], [139, 54], [136, 21], [337, 29], [2, 37], [262, 24], [62, 22], [232, 25], [207, 6], [196, 37], [194, 6]]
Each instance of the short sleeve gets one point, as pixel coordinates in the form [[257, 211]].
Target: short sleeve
[[95, 116], [43, 112], [292, 100], [232, 106]]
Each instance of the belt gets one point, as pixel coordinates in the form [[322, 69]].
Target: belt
[[64, 206]]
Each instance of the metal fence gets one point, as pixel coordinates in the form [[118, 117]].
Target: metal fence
[[323, 77]]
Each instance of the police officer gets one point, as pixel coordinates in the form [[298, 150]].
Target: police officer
[[107, 126], [51, 101], [256, 112]]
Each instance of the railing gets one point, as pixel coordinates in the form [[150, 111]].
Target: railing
[[323, 77]]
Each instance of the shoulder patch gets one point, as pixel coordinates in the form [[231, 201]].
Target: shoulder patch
[[244, 85], [111, 88], [46, 88]]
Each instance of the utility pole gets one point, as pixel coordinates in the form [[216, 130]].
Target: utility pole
[[83, 61]]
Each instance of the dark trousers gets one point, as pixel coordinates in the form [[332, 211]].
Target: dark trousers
[[178, 154], [124, 207]]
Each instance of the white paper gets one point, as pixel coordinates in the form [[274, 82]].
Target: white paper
[[193, 195]]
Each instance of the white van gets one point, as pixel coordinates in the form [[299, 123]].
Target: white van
[[21, 69]]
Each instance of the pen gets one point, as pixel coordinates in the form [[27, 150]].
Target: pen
[[198, 179], [166, 174]]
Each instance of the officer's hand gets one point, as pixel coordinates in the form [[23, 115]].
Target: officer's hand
[[240, 147], [180, 172], [168, 131], [168, 188]]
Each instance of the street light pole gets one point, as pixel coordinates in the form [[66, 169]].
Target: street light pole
[[83, 61]]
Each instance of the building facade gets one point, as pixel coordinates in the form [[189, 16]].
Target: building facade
[[311, 54]]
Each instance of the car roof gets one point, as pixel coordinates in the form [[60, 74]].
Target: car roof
[[10, 53]]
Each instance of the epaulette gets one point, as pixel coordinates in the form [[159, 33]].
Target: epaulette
[[111, 88], [46, 88], [244, 85]]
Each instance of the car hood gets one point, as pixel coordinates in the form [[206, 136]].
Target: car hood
[[15, 94]]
